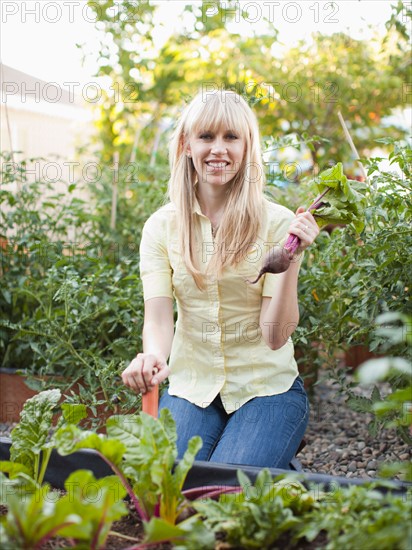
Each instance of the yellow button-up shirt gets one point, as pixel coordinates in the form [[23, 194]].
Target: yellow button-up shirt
[[218, 346]]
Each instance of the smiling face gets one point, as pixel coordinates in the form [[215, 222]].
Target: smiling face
[[217, 155]]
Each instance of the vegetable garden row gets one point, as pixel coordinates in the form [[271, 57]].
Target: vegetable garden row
[[280, 512]]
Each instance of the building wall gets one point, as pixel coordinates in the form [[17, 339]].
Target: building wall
[[49, 132]]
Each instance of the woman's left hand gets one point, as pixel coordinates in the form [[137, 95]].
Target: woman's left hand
[[305, 227]]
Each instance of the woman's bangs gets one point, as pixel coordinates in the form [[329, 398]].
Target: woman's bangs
[[217, 112]]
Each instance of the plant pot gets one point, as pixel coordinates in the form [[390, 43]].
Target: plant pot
[[13, 394], [356, 355]]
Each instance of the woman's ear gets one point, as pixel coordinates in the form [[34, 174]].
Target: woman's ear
[[185, 147]]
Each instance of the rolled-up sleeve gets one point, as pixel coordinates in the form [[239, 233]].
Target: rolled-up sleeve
[[155, 269]]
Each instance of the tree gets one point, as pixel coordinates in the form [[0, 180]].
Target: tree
[[298, 93]]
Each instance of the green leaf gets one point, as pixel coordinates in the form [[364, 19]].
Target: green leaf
[[85, 512], [374, 370], [376, 395], [185, 464], [13, 468], [359, 403], [99, 502], [30, 436], [345, 201], [74, 412], [70, 439], [189, 534], [35, 517], [157, 530], [20, 483]]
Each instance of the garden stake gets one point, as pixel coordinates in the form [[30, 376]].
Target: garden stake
[[150, 402], [351, 144]]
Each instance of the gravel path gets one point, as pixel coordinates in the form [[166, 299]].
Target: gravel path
[[338, 441]]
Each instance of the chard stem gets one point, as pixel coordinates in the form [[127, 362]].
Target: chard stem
[[314, 204], [143, 515], [44, 464]]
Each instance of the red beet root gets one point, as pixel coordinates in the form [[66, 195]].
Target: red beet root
[[277, 260]]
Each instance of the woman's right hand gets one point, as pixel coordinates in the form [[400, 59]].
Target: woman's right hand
[[145, 371]]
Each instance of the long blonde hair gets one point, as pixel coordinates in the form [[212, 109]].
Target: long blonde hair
[[243, 212]]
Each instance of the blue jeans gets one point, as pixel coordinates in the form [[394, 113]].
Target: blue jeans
[[265, 431]]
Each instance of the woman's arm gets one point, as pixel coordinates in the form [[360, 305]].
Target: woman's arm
[[150, 367], [279, 315]]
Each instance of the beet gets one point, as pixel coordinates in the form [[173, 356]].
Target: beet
[[277, 260]]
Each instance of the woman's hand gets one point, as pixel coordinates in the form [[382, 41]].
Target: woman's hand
[[145, 371], [305, 227]]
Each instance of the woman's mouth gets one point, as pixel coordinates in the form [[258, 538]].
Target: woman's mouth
[[216, 165]]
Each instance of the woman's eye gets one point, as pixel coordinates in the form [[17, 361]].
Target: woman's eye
[[231, 136], [206, 136]]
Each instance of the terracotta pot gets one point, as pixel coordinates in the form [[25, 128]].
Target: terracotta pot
[[356, 355], [308, 372], [13, 394]]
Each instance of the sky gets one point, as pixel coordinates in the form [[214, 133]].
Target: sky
[[40, 37]]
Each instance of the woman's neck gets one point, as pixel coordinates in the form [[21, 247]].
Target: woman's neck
[[212, 204]]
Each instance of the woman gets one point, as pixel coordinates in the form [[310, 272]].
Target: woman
[[233, 378]]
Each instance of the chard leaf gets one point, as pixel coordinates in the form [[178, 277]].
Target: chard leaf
[[85, 513], [149, 456], [264, 483], [37, 517], [70, 438], [149, 459], [74, 412], [182, 469], [172, 483], [127, 429], [31, 435], [244, 481], [99, 502], [189, 534], [168, 424], [158, 530], [19, 483], [13, 468]]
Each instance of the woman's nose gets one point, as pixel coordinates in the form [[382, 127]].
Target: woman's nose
[[218, 146]]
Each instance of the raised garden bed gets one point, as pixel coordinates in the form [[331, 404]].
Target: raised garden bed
[[128, 479]]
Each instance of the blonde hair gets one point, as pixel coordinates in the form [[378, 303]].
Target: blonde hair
[[243, 212]]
